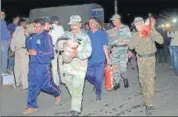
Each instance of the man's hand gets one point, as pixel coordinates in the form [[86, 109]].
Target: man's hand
[[32, 52], [74, 53], [130, 54]]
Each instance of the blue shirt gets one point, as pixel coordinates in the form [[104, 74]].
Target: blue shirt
[[42, 43], [11, 27], [98, 40], [4, 31]]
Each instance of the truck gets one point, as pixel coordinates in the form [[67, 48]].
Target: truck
[[86, 11]]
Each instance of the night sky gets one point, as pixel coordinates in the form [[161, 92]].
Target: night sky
[[125, 7]]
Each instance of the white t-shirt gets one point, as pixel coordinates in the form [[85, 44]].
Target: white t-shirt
[[174, 38], [56, 32]]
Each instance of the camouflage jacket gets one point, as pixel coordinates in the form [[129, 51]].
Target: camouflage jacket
[[145, 46], [79, 64], [115, 36]]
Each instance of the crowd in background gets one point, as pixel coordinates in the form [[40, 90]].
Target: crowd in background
[[96, 49]]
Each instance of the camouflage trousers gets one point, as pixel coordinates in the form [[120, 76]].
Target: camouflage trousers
[[120, 61], [75, 86], [147, 75]]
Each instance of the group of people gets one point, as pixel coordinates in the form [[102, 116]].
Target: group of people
[[81, 53]]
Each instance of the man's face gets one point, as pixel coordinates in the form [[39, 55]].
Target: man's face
[[47, 26], [16, 20], [87, 27], [38, 28], [75, 28], [93, 24], [3, 15], [24, 24], [116, 22], [138, 25]]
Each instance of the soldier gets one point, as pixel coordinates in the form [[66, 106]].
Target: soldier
[[75, 71], [145, 49], [21, 54], [56, 32], [119, 56]]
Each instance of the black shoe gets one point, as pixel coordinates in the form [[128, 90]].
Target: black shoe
[[126, 83], [74, 113], [149, 110], [117, 86], [98, 98]]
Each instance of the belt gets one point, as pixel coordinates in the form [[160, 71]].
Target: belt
[[23, 47], [146, 55], [118, 46]]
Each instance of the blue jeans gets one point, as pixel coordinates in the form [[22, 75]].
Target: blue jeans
[[4, 55], [95, 75], [11, 63], [175, 57]]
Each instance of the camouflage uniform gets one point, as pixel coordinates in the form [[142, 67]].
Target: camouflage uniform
[[145, 49], [119, 56]]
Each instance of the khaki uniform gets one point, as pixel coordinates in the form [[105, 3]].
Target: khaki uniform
[[75, 71], [21, 57], [145, 49]]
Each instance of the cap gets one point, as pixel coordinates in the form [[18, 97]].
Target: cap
[[46, 19], [75, 19], [138, 19], [115, 16], [54, 18]]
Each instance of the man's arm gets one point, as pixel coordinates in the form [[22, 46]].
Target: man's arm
[[105, 48], [157, 36], [16, 40], [47, 44], [134, 41], [86, 49]]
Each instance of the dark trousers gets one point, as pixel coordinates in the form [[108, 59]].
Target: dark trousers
[[39, 79], [95, 75], [163, 53]]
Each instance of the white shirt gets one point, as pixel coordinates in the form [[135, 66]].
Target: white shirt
[[174, 38], [56, 32]]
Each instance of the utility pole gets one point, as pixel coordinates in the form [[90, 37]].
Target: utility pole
[[115, 6]]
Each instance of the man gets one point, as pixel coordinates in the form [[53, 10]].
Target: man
[[119, 50], [56, 32], [173, 35], [99, 56], [21, 55], [163, 49], [11, 27], [5, 39], [75, 71], [145, 49], [41, 53]]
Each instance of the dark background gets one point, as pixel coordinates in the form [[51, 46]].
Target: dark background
[[127, 8]]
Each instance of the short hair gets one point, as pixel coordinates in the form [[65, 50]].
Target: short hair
[[21, 21], [3, 10], [40, 21]]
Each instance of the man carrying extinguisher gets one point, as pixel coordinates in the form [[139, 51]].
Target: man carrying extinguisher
[[99, 56]]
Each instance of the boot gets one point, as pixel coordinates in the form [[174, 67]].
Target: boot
[[117, 86], [126, 83], [74, 113], [98, 98], [149, 110]]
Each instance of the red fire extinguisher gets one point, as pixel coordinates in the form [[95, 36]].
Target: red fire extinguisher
[[108, 78]]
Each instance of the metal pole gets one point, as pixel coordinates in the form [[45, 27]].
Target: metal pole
[[115, 6]]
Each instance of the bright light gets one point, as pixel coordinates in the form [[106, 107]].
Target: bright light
[[162, 25], [174, 20], [168, 25]]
